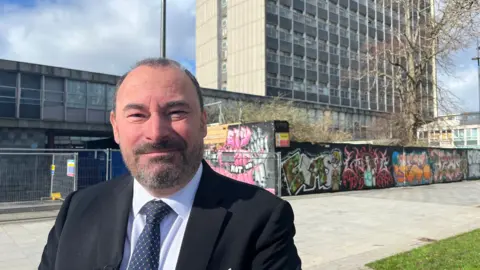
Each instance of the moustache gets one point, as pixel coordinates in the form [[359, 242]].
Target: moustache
[[170, 144]]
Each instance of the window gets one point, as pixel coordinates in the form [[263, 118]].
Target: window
[[343, 12], [298, 39], [96, 96], [110, 92], [8, 83], [285, 60], [323, 69], [272, 31], [224, 3], [311, 87], [333, 49], [309, 65], [333, 92], [333, 28], [354, 94], [272, 7], [272, 81], [272, 57], [285, 12], [285, 84], [76, 94], [343, 52], [322, 46], [334, 71], [284, 35], [224, 23], [345, 94], [298, 63], [362, 20], [298, 17], [224, 67], [333, 8], [310, 42], [310, 21], [298, 85], [30, 95], [224, 44], [54, 92], [343, 32], [322, 25], [322, 89], [364, 97], [322, 4]]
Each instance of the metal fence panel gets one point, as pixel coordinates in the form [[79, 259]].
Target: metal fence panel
[[117, 165], [30, 176]]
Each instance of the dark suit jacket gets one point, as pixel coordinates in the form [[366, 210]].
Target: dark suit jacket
[[232, 225]]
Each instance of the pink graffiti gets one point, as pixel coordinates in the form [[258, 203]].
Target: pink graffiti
[[238, 138]]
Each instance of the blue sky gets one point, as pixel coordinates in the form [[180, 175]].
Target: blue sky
[[108, 36]]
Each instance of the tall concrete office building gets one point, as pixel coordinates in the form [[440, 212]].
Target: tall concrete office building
[[302, 49]]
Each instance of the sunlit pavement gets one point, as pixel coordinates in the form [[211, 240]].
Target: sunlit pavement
[[334, 231]]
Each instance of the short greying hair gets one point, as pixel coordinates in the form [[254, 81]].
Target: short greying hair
[[160, 62]]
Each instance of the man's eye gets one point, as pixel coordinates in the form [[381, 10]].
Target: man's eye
[[136, 115]]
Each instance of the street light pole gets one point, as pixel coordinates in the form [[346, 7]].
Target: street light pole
[[163, 30], [477, 58]]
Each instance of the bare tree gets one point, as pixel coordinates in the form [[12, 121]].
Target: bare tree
[[303, 128], [403, 65]]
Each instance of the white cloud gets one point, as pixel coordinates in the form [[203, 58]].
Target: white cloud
[[106, 36], [464, 85]]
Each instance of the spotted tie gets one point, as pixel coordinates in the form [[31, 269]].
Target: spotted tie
[[147, 250]]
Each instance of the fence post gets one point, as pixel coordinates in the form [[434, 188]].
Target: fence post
[[52, 174], [107, 164], [278, 157], [75, 176]]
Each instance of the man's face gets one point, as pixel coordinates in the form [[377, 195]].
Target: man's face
[[159, 126]]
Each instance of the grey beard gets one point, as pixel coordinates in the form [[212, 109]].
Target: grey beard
[[173, 174]]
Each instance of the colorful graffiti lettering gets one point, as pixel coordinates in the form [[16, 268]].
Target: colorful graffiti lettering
[[366, 168], [473, 164], [411, 168], [449, 165], [303, 172], [244, 156]]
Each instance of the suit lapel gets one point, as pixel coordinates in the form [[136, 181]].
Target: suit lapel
[[115, 209], [204, 224]]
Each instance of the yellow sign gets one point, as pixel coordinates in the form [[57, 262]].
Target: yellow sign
[[56, 196], [282, 139], [216, 134]]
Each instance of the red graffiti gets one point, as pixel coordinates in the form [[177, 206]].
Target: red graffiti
[[366, 168]]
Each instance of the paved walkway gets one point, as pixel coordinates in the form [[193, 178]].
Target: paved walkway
[[334, 231]]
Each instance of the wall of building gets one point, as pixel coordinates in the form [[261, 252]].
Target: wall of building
[[207, 42], [245, 64], [22, 138]]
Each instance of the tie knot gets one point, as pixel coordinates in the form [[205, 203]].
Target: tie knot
[[156, 211]]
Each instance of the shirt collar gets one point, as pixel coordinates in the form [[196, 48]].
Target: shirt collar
[[181, 201]]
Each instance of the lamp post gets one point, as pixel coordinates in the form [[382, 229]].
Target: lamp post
[[477, 58], [163, 29]]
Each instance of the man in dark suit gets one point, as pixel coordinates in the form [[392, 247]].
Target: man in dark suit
[[173, 211]]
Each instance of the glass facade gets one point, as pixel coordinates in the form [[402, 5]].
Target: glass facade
[[321, 45], [35, 96]]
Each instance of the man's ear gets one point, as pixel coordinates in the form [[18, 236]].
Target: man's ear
[[204, 121], [113, 122]]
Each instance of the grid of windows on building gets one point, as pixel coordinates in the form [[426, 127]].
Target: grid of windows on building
[[49, 97], [327, 40]]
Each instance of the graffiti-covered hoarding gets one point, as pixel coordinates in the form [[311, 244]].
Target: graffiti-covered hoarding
[[247, 153]]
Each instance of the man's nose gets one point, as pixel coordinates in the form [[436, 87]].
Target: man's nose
[[157, 127]]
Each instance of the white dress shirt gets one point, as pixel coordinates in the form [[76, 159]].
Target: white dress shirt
[[172, 228]]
